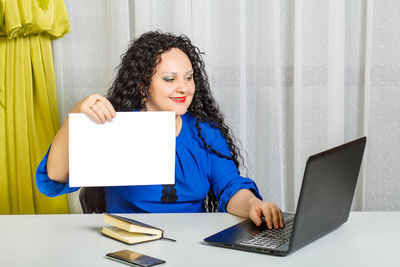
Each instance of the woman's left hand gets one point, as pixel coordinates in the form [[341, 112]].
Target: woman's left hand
[[271, 212], [245, 204]]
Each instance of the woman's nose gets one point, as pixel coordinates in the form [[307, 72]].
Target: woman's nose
[[181, 86]]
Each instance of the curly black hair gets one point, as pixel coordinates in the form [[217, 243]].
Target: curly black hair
[[137, 67]]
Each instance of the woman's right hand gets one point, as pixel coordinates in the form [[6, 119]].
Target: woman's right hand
[[97, 107]]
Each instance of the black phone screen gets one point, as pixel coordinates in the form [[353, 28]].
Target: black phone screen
[[128, 256]]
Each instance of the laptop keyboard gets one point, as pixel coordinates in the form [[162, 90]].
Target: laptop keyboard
[[270, 238]]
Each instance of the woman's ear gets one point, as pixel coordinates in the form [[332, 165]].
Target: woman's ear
[[142, 91], [144, 95]]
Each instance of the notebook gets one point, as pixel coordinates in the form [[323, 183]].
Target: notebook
[[325, 199]]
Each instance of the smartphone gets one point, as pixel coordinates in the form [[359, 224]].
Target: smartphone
[[134, 258]]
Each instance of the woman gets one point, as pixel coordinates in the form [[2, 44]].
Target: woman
[[164, 72]]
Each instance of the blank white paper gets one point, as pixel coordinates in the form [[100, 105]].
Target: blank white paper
[[136, 148]]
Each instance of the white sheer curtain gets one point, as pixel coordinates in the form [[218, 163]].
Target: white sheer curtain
[[292, 77]]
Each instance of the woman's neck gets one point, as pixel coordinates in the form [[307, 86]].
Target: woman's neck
[[178, 124]]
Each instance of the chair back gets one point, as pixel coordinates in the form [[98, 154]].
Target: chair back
[[93, 199], [210, 203]]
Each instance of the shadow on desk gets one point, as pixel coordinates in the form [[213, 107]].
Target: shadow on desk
[[95, 229]]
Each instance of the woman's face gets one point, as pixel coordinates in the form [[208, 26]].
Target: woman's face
[[172, 86]]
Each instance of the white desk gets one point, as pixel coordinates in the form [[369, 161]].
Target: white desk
[[367, 239]]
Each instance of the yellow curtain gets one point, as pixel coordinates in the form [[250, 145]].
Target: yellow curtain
[[28, 101]]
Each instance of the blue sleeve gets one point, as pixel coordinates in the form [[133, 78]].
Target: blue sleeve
[[47, 186], [225, 178]]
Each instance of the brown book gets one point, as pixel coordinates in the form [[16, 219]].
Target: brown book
[[130, 231]]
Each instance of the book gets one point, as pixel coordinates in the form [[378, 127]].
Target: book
[[130, 231]]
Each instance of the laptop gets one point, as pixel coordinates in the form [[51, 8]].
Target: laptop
[[325, 199]]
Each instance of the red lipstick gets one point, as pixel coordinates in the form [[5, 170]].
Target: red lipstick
[[178, 99]]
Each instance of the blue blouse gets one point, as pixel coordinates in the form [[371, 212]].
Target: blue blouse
[[196, 169]]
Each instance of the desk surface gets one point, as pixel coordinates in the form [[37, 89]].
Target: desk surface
[[366, 239]]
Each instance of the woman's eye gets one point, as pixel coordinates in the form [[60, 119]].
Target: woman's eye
[[189, 78], [168, 79]]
